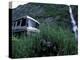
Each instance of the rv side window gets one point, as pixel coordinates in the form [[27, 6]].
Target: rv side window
[[23, 22], [18, 23], [27, 22]]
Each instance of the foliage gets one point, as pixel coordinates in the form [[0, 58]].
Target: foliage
[[29, 46]]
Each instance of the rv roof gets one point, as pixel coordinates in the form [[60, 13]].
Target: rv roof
[[33, 19], [27, 17]]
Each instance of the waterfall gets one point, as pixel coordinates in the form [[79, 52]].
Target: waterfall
[[75, 29]]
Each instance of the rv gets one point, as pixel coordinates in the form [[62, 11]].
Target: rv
[[25, 24]]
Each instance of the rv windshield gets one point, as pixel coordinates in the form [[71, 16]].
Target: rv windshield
[[33, 23]]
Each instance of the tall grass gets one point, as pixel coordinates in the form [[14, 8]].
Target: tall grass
[[29, 46]]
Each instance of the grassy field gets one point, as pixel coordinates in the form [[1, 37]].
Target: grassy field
[[30, 46]]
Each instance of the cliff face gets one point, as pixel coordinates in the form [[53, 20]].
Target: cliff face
[[46, 13]]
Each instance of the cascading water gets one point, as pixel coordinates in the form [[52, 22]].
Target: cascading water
[[74, 26]]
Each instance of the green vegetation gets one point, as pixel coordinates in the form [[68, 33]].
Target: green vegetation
[[29, 46], [54, 27]]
